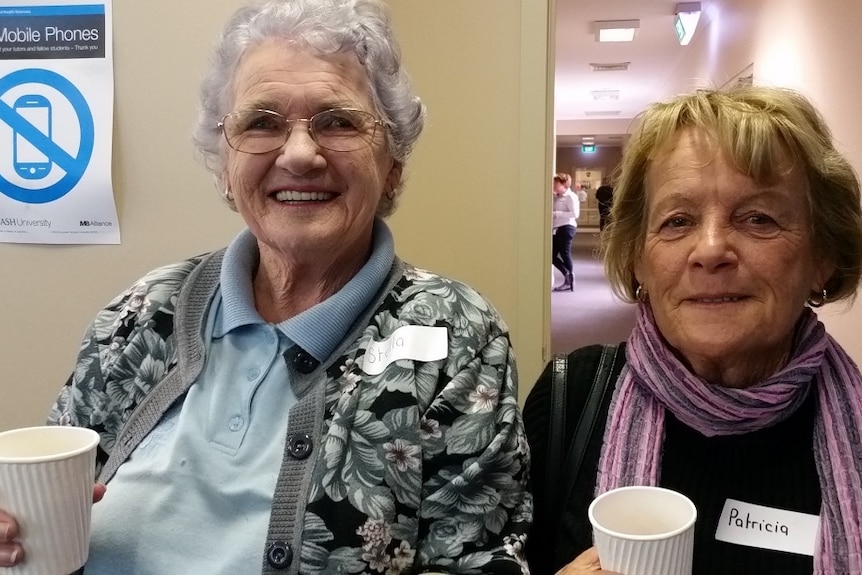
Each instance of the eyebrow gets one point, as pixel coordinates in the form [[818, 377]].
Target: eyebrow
[[273, 105], [673, 199], [257, 105], [680, 198]]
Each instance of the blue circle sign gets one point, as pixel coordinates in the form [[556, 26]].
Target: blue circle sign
[[39, 142]]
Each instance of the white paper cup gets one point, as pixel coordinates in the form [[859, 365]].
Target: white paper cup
[[46, 484], [644, 530]]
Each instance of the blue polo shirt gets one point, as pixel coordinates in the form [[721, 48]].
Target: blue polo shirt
[[195, 495]]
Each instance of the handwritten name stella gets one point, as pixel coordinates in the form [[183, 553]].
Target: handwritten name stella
[[380, 351], [748, 523]]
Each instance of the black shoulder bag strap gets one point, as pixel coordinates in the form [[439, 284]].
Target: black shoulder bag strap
[[557, 430], [588, 420]]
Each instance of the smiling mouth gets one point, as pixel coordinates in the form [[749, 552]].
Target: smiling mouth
[[726, 299], [292, 196]]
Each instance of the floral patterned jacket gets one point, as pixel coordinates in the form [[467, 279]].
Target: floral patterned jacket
[[421, 467]]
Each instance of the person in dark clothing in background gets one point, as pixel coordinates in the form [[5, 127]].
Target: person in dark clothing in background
[[604, 196]]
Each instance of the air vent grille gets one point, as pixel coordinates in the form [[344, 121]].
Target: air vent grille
[[745, 81], [602, 113], [605, 94], [609, 67]]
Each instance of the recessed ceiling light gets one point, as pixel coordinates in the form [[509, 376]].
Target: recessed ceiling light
[[616, 30]]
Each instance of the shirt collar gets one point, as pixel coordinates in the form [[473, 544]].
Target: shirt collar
[[319, 329]]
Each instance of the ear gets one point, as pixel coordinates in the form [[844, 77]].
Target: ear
[[223, 182], [393, 178], [822, 273], [638, 270]]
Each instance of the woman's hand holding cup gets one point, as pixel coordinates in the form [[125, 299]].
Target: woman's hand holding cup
[[11, 552]]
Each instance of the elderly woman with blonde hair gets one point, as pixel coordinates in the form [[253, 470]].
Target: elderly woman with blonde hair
[[734, 215]]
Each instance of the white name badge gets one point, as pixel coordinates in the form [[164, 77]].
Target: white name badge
[[419, 342], [767, 528]]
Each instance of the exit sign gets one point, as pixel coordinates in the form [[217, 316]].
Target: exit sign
[[679, 26], [588, 148]]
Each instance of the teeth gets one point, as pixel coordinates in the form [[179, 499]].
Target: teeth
[[719, 299], [292, 196]]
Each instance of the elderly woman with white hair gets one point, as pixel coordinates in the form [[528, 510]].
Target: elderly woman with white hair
[[303, 400]]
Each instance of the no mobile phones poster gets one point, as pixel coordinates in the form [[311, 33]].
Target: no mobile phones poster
[[56, 121]]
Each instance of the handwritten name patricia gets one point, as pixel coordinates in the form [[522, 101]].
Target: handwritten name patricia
[[735, 520]]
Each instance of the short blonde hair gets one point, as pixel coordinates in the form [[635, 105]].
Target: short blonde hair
[[754, 127], [563, 178]]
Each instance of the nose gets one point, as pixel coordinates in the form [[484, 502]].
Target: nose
[[714, 247], [300, 154]]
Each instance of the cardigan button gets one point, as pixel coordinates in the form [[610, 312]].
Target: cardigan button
[[299, 446], [279, 555], [304, 362]]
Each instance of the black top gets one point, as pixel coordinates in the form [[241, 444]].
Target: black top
[[773, 467], [604, 197]]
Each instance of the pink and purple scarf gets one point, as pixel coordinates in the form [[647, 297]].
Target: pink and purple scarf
[[654, 380]]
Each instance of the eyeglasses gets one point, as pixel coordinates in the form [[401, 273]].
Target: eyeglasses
[[264, 131]]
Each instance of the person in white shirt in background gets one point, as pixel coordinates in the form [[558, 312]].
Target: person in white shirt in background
[[566, 210], [582, 195]]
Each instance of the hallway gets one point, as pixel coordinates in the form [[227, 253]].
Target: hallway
[[591, 313]]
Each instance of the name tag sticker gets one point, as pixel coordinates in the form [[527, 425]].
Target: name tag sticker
[[767, 528], [418, 342]]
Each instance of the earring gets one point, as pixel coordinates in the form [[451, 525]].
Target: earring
[[641, 294], [818, 302], [227, 195]]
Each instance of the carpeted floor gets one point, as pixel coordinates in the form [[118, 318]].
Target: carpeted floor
[[591, 313]]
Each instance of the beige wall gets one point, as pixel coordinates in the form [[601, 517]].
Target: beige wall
[[470, 208], [799, 44], [474, 208]]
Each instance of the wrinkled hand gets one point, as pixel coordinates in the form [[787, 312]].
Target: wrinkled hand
[[586, 562], [11, 552]]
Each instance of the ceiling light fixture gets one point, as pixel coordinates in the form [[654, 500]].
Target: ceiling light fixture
[[687, 16], [616, 30]]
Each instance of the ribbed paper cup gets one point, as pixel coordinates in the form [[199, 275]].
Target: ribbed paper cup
[[644, 530], [46, 483]]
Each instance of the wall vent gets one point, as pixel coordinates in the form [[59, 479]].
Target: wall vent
[[603, 113], [605, 94], [609, 67], [745, 81]]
